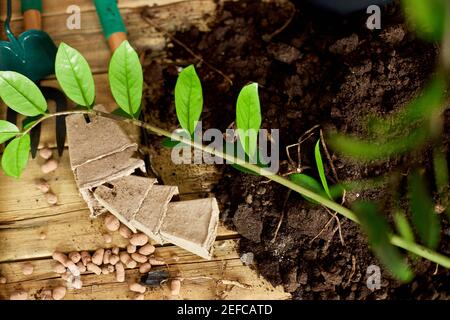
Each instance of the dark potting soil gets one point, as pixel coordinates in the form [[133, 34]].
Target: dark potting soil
[[320, 69]]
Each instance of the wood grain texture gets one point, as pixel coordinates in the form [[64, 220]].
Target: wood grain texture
[[25, 214]]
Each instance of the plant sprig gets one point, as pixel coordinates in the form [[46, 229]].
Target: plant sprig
[[16, 153]]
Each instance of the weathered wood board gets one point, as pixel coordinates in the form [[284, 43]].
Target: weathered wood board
[[24, 212]]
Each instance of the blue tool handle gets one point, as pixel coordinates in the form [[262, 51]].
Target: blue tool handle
[[31, 5], [110, 17]]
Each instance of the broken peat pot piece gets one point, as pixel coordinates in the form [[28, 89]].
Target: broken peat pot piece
[[100, 152], [103, 163], [151, 215], [123, 197], [192, 225]]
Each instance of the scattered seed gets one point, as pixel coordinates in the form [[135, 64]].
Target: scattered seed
[[3, 280], [137, 287], [125, 232], [138, 239], [27, 269], [43, 185], [42, 235], [97, 257], [94, 268], [51, 198], [112, 223], [49, 166], [19, 295], [59, 293], [139, 257], [114, 259], [131, 248], [105, 270], [131, 264], [111, 268], [85, 257], [46, 153], [120, 272], [106, 257], [145, 267], [175, 287], [75, 256], [156, 261], [146, 250]]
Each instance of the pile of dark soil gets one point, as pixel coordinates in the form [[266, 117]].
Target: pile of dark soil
[[320, 69]]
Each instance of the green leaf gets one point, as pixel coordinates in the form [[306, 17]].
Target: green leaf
[[307, 182], [424, 217], [418, 110], [403, 226], [122, 113], [126, 78], [74, 76], [248, 118], [426, 17], [7, 130], [321, 169], [188, 98], [21, 94], [440, 166], [378, 233], [15, 156], [374, 150]]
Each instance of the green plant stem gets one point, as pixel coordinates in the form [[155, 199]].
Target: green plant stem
[[395, 240]]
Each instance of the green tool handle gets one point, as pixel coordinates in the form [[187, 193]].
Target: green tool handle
[[110, 17], [31, 5]]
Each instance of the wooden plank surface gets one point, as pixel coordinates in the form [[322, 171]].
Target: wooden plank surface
[[176, 16], [25, 214]]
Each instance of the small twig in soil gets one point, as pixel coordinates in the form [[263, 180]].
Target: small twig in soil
[[269, 37], [327, 154], [283, 210], [334, 216], [185, 47], [352, 272]]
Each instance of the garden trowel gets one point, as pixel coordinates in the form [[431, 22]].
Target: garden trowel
[[33, 54]]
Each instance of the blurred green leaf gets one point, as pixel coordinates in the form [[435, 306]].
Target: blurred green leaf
[[375, 150], [440, 165], [309, 183], [126, 78], [8, 130], [378, 233], [426, 17], [424, 217], [188, 98], [21, 94], [74, 76], [321, 169], [15, 156], [403, 226], [248, 118], [418, 110]]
